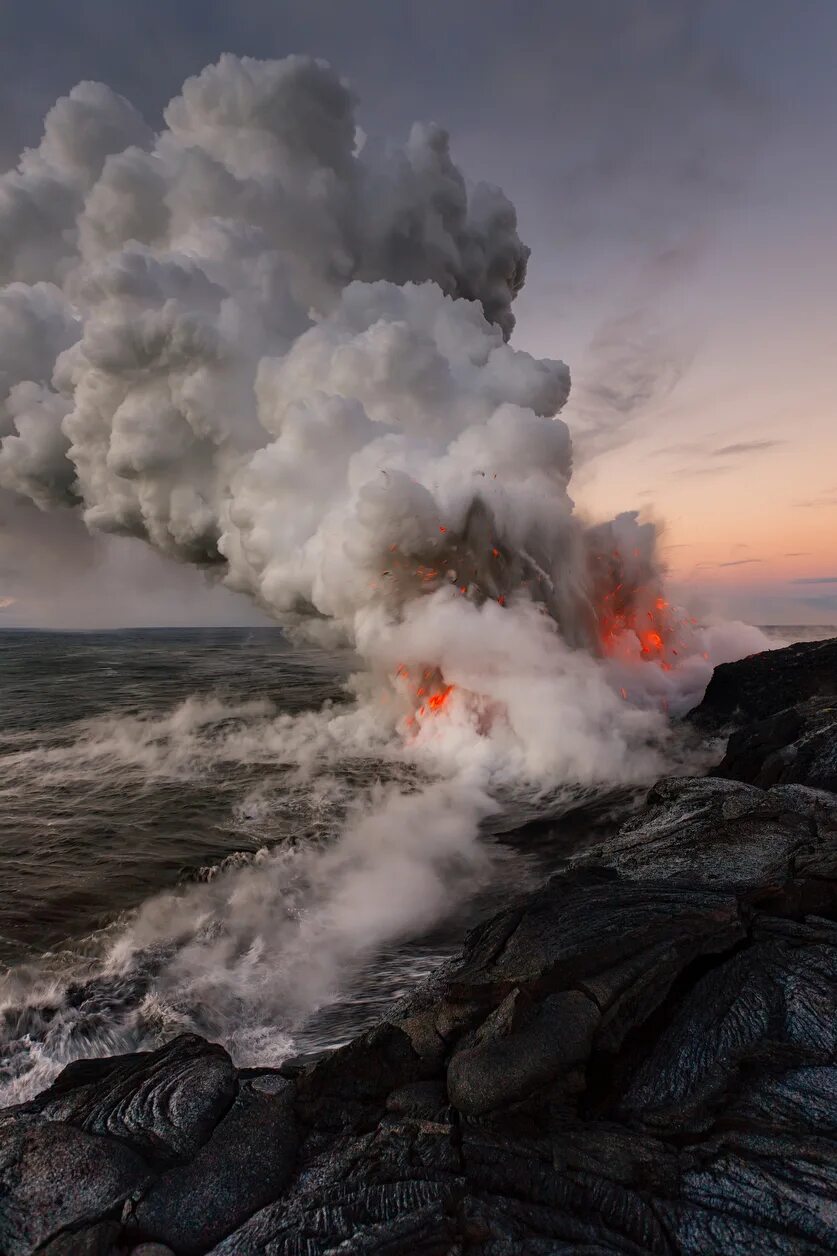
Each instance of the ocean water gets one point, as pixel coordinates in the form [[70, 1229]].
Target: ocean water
[[167, 837], [97, 811]]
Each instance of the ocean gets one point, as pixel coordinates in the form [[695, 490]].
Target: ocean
[[167, 844]]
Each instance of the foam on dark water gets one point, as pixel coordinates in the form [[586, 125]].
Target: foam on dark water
[[146, 795], [87, 835], [195, 836]]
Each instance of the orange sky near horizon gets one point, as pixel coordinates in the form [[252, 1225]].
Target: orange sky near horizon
[[741, 529], [737, 459]]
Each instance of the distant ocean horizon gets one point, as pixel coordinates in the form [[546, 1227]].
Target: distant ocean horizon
[[788, 630]]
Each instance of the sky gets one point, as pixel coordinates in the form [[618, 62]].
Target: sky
[[674, 170]]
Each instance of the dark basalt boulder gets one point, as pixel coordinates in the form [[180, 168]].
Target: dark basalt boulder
[[781, 710], [797, 745], [764, 684], [164, 1104], [719, 831], [612, 1066], [244, 1164], [95, 1240], [55, 1177], [638, 1057]]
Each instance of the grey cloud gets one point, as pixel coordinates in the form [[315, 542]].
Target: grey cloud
[[746, 447], [630, 365], [682, 447], [643, 120], [737, 562], [55, 573], [687, 472], [827, 498], [701, 450]]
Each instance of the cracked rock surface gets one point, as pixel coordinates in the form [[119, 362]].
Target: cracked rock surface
[[638, 1057]]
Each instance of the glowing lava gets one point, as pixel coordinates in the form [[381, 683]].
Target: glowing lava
[[437, 700], [630, 613], [425, 690]]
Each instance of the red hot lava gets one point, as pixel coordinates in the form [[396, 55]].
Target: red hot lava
[[426, 690], [630, 612]]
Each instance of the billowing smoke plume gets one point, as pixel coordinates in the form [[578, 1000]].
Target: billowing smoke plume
[[270, 349], [170, 267], [260, 345]]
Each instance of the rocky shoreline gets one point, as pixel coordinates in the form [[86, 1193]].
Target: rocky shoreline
[[638, 1057]]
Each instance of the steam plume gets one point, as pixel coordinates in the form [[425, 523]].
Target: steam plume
[[257, 343], [270, 348]]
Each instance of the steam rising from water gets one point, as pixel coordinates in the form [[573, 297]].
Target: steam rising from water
[[269, 348]]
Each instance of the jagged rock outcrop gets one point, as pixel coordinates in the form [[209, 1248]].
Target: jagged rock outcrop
[[797, 744], [764, 684], [712, 830], [638, 1057], [781, 708]]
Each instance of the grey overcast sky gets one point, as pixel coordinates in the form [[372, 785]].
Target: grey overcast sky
[[673, 165]]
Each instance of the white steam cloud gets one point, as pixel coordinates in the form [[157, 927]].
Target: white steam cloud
[[266, 346]]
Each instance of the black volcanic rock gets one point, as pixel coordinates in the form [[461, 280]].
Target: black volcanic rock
[[95, 1240], [764, 684], [781, 710], [164, 1104], [244, 1164], [797, 745], [54, 1177], [638, 1057], [719, 831]]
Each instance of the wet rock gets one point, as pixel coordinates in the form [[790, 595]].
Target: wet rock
[[618, 943], [769, 1009], [165, 1103], [764, 684], [393, 1189], [795, 1196], [584, 923], [797, 745], [722, 832], [423, 1100], [54, 1177], [500, 1070], [95, 1240], [342, 1090], [244, 1165]]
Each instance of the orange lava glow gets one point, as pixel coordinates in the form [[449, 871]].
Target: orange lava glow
[[651, 642], [438, 700], [426, 691], [629, 614]]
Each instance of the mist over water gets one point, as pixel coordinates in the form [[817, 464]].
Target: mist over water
[[202, 830], [199, 830]]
